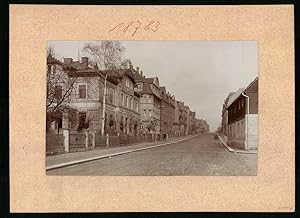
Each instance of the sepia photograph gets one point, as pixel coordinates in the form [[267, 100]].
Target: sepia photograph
[[172, 108], [152, 108]]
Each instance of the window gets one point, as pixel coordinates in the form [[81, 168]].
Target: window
[[122, 99], [54, 69], [145, 113], [139, 87], [242, 102], [82, 91], [110, 96], [136, 107], [58, 92], [150, 113], [131, 105], [126, 102]]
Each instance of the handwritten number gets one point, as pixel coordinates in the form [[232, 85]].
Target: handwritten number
[[147, 27], [126, 28], [118, 26], [156, 26], [136, 28], [152, 25]]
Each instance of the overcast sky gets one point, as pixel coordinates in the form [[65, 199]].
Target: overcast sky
[[200, 73]]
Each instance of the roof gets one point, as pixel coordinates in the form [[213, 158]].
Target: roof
[[163, 89], [53, 60], [238, 93], [149, 80], [138, 77], [256, 79], [234, 96], [120, 73]]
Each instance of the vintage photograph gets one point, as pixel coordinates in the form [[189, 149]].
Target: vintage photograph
[[151, 108]]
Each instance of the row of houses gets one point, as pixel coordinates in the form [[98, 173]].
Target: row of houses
[[240, 117], [133, 103]]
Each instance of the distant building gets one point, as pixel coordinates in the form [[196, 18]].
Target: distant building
[[167, 114], [187, 118], [243, 118], [225, 114], [182, 118], [192, 122], [176, 124]]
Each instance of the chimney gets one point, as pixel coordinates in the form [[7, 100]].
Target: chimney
[[137, 69], [85, 61], [130, 66], [68, 61], [141, 73]]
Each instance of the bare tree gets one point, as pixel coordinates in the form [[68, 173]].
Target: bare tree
[[59, 87], [106, 56]]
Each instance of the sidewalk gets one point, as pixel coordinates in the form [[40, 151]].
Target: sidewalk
[[62, 160], [235, 150]]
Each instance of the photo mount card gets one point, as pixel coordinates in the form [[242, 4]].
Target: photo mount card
[[150, 177]]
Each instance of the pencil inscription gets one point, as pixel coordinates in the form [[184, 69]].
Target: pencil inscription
[[133, 27]]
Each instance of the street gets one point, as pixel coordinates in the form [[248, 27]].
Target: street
[[203, 155]]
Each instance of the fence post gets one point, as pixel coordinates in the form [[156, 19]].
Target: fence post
[[94, 139], [86, 141], [66, 140], [107, 140]]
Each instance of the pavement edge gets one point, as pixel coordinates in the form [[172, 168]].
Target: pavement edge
[[70, 163], [232, 150]]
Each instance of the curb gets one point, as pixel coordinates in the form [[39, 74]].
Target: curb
[[235, 151], [56, 166]]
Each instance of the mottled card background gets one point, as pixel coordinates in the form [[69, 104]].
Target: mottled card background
[[272, 190]]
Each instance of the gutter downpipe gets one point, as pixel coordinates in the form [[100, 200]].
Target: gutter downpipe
[[247, 114]]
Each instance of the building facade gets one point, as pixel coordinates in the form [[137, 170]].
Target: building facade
[[59, 88], [224, 123], [150, 102], [182, 118], [121, 115], [167, 114], [243, 118]]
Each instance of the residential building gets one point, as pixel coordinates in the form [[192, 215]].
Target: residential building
[[182, 118], [176, 125], [121, 102], [243, 118], [150, 102], [192, 122], [225, 115], [58, 90], [167, 114], [186, 114]]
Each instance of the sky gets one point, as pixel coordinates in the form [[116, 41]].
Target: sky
[[200, 73]]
